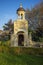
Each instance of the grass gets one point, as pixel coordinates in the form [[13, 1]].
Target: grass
[[22, 59], [20, 56]]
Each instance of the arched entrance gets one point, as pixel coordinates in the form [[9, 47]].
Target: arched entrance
[[20, 40]]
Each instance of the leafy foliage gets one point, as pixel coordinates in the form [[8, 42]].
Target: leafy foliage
[[35, 20], [9, 26], [9, 29]]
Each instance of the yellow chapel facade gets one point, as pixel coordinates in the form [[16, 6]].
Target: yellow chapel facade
[[20, 35]]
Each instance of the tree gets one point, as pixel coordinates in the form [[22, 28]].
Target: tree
[[35, 19], [35, 16], [9, 27]]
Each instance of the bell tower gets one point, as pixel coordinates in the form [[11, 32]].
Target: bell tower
[[21, 12]]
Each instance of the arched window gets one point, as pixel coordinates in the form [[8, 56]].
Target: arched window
[[21, 16]]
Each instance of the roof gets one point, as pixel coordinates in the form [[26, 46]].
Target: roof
[[20, 8]]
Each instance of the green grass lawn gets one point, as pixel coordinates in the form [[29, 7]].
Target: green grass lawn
[[23, 59]]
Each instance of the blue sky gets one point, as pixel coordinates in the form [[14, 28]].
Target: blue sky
[[8, 9]]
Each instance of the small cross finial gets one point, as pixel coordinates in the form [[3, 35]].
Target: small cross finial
[[21, 5]]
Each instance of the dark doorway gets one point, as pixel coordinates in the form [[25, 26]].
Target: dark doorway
[[21, 40]]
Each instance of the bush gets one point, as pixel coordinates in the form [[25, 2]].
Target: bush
[[20, 50], [24, 50]]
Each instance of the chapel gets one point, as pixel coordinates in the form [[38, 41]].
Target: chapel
[[20, 36]]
